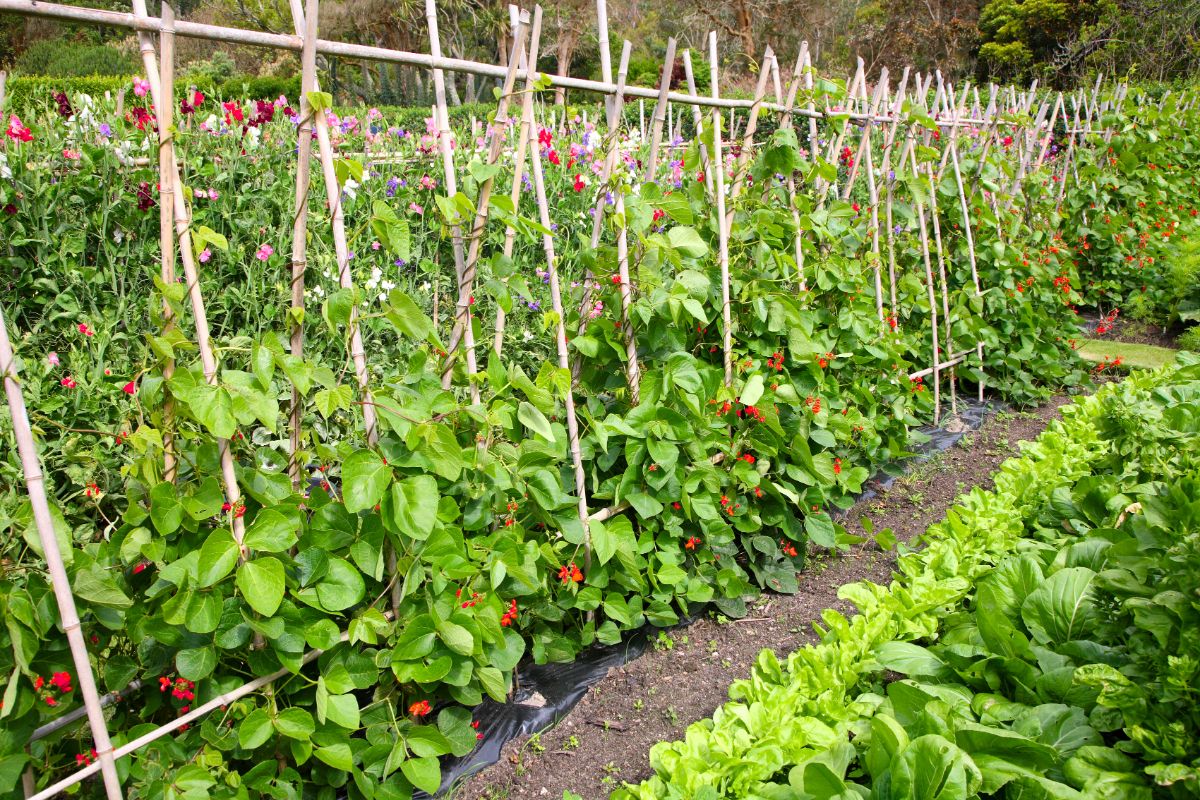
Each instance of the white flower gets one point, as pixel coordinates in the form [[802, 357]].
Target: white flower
[[350, 188], [5, 170]]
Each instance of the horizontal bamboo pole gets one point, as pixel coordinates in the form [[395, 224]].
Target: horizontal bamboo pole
[[196, 713], [280, 41]]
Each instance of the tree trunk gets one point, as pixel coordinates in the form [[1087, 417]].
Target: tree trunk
[[567, 40], [745, 28]]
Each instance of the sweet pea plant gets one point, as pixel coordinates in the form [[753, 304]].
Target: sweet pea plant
[[401, 582]]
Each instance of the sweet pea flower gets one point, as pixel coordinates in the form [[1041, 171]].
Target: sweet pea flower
[[141, 87], [205, 255], [17, 131], [52, 359], [85, 330], [130, 388], [265, 251]]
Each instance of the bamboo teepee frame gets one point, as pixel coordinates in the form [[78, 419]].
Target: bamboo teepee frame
[[864, 111]]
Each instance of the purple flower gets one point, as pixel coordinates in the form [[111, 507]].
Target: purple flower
[[392, 184], [400, 262], [105, 130]]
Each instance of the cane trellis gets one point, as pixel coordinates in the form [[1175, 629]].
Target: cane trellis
[[887, 122]]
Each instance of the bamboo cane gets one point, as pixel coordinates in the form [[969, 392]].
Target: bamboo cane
[[760, 95], [661, 110], [462, 311], [722, 230], [166, 222], [970, 236], [519, 157], [560, 335], [208, 361], [697, 119], [933, 315], [36, 486], [308, 83], [482, 206]]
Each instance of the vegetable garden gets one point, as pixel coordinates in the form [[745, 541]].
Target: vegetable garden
[[323, 428]]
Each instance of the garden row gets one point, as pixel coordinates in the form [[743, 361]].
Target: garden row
[[1039, 643], [445, 528]]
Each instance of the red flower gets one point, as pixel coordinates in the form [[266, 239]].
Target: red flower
[[85, 330], [570, 573], [17, 131], [139, 568], [837, 466], [68, 382], [552, 157], [659, 214], [420, 708], [692, 543], [545, 137], [509, 617], [855, 207], [748, 458], [676, 506], [579, 184], [61, 681], [616, 279], [129, 388], [39, 682], [50, 701]]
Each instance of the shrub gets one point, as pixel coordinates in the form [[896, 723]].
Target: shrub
[[53, 58]]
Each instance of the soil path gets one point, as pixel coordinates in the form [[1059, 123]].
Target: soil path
[[606, 739]]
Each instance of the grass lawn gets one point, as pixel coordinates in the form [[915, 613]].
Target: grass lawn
[[1134, 356]]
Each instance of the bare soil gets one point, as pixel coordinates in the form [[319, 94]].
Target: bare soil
[[605, 740]]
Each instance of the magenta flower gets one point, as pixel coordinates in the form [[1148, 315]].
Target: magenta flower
[[140, 87], [205, 255], [265, 251]]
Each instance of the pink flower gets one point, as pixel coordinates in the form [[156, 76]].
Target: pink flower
[[130, 388], [85, 330], [71, 155], [140, 87], [68, 382], [416, 209], [17, 131], [428, 182], [375, 245], [281, 101], [205, 255], [52, 359], [213, 194], [265, 251]]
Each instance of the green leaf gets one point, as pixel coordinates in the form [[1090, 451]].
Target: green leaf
[[414, 506], [819, 528], [338, 756], [218, 555], [365, 477], [165, 511], [408, 318], [342, 586], [340, 709], [687, 241], [423, 773], [535, 420], [271, 531], [908, 659], [295, 723], [97, 587], [932, 768], [196, 663], [261, 583], [1062, 609], [456, 637], [752, 391], [255, 729], [492, 681]]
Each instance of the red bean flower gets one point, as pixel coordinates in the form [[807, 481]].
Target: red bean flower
[[420, 708]]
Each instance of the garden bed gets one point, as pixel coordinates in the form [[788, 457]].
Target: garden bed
[[604, 740]]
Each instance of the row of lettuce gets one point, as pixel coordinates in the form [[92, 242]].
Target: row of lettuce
[[1043, 641]]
